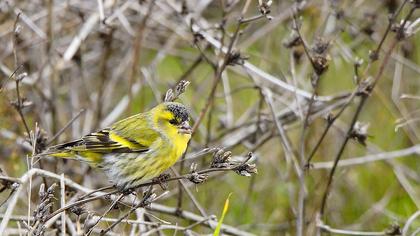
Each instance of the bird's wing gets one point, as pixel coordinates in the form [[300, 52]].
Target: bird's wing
[[103, 141], [133, 134], [135, 130]]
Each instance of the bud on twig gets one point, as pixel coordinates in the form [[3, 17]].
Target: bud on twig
[[172, 95], [221, 159], [197, 178], [360, 132]]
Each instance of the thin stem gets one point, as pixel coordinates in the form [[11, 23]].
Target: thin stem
[[114, 203], [350, 129], [65, 127]]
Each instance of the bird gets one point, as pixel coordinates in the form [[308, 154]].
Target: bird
[[135, 149]]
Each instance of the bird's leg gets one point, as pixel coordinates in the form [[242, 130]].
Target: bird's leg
[[162, 180]]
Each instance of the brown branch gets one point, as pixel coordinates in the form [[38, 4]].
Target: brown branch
[[350, 129], [137, 50], [365, 92], [190, 177], [19, 105]]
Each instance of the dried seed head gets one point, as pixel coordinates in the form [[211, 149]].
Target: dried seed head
[[360, 132], [365, 87], [198, 37], [197, 178], [264, 6], [321, 64], [358, 61], [21, 76], [181, 87], [39, 230], [246, 169], [172, 95], [373, 55], [221, 159], [15, 186], [51, 189], [330, 118], [78, 210], [42, 210], [235, 58], [393, 229]]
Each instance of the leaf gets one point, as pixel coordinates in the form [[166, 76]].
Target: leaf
[[219, 224]]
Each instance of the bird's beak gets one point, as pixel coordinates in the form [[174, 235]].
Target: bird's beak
[[184, 128]]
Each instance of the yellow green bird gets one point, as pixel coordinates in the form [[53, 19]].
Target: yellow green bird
[[134, 149]]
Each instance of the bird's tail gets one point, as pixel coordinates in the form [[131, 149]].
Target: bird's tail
[[69, 150], [55, 153], [59, 151]]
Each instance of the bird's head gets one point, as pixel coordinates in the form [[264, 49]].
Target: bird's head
[[173, 117]]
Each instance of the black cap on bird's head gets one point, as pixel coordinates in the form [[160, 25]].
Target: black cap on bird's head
[[179, 111], [180, 117]]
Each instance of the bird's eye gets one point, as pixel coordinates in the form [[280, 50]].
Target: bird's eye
[[173, 122]]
